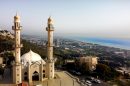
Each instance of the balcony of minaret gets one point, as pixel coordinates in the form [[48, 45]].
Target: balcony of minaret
[[50, 60], [16, 28], [50, 44], [19, 45], [50, 29]]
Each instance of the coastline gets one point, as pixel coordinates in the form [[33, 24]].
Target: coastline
[[110, 42]]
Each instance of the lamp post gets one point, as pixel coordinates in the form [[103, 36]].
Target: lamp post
[[73, 82]]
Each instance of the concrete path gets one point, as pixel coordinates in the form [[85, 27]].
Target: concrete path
[[63, 80], [66, 80]]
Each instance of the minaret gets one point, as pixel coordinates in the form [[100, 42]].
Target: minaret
[[50, 59], [17, 66]]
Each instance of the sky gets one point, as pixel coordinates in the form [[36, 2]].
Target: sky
[[85, 18]]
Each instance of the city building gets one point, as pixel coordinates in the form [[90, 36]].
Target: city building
[[90, 61], [57, 44]]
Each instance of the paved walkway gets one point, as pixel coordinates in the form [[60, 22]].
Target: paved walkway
[[63, 80], [66, 80]]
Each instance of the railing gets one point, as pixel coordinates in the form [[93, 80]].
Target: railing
[[77, 79]]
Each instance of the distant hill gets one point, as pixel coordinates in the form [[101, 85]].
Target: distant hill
[[7, 44], [6, 34], [6, 40]]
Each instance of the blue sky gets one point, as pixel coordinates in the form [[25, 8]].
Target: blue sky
[[88, 18]]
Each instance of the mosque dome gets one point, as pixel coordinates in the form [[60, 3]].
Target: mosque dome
[[31, 57]]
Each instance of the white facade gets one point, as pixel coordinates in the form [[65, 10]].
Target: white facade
[[33, 67]]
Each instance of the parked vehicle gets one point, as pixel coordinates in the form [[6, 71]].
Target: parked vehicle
[[83, 80], [78, 73], [88, 83], [96, 81]]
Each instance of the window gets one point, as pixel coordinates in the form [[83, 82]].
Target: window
[[43, 75], [17, 74], [25, 73], [43, 71]]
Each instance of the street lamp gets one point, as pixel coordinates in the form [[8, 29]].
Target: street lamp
[[73, 82]]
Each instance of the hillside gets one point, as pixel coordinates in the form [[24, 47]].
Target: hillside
[[7, 44], [6, 40], [27, 46], [6, 34]]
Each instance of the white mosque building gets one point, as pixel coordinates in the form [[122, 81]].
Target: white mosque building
[[31, 66]]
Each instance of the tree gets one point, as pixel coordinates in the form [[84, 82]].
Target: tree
[[103, 71], [1, 71], [106, 73]]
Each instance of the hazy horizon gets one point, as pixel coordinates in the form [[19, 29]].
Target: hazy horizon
[[95, 18]]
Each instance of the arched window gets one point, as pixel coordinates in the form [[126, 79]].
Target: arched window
[[25, 73], [43, 75], [43, 71], [25, 76], [35, 76]]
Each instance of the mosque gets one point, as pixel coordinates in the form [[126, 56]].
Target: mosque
[[31, 66]]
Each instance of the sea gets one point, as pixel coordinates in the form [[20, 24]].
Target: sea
[[112, 42]]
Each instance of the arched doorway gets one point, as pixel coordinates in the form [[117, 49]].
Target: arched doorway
[[26, 76], [35, 76]]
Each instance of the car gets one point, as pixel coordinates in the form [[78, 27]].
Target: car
[[83, 80], [96, 81], [88, 83], [78, 73]]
